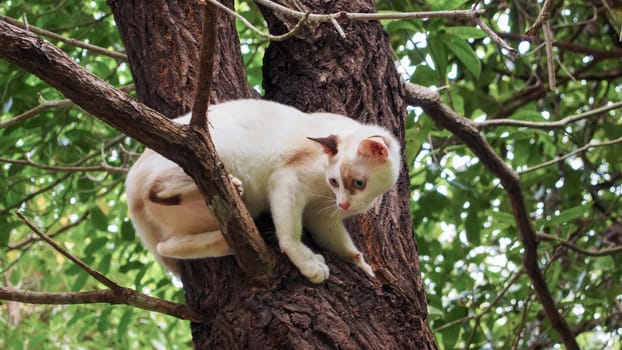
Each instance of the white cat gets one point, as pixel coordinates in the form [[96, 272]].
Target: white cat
[[310, 170]]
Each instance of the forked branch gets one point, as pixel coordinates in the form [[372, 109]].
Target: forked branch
[[183, 145], [467, 131]]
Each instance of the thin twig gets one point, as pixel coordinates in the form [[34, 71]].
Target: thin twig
[[34, 238], [565, 156], [496, 38], [548, 46], [338, 28], [61, 179], [258, 31], [36, 110], [542, 18], [125, 296], [103, 167], [93, 48], [45, 105], [571, 246], [98, 276], [364, 16], [477, 317], [559, 124]]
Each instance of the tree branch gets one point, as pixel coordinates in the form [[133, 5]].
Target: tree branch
[[258, 31], [182, 144], [602, 252], [206, 67], [364, 16], [93, 48], [568, 155], [466, 131], [34, 238], [125, 296], [542, 18], [34, 111], [95, 274], [558, 124], [116, 294], [66, 168], [61, 179]]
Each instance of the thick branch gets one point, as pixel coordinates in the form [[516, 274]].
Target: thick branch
[[184, 145], [124, 296], [466, 131]]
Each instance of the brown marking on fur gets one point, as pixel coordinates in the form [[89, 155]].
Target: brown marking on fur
[[137, 206], [299, 156], [153, 196], [348, 177]]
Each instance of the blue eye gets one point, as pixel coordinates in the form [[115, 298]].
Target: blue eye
[[333, 182], [359, 183]]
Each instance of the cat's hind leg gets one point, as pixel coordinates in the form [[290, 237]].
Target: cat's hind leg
[[194, 246]]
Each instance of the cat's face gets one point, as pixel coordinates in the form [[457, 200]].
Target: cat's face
[[360, 169]]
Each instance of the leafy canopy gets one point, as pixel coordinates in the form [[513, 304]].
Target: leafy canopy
[[468, 243]]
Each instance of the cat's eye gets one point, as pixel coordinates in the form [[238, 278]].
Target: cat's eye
[[333, 182], [359, 184]]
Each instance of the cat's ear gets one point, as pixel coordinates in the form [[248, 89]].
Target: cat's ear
[[328, 143], [373, 148]]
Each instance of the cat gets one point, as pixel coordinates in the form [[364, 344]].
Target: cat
[[311, 170]]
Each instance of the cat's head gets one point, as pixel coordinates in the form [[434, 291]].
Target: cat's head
[[361, 166]]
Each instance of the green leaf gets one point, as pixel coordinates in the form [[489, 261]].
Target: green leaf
[[463, 52], [528, 115], [440, 5], [99, 219], [126, 318], [424, 75], [466, 32], [472, 226], [95, 245], [502, 220], [439, 55], [80, 281], [104, 263], [569, 214], [127, 231], [104, 319]]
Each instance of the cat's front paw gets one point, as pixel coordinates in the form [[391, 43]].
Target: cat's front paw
[[358, 260], [315, 269], [237, 183]]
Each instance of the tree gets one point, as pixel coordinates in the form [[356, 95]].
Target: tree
[[466, 227]]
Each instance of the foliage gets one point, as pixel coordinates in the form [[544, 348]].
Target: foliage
[[468, 243], [467, 239], [84, 210]]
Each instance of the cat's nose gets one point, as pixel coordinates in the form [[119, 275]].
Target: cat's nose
[[344, 205]]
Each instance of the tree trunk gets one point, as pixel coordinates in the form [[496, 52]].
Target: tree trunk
[[162, 40], [316, 70]]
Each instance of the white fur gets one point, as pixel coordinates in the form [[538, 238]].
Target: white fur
[[265, 145]]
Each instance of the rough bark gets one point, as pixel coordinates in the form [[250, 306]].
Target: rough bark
[[316, 71], [163, 42]]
